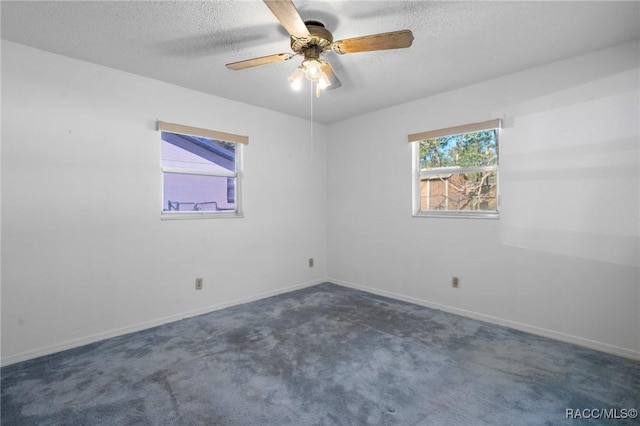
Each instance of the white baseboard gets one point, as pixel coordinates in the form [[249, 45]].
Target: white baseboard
[[74, 343], [568, 338]]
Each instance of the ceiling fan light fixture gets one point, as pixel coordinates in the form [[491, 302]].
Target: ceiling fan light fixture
[[311, 69]]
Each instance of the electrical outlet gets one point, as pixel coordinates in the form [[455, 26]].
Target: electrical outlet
[[455, 282], [198, 283], [311, 262]]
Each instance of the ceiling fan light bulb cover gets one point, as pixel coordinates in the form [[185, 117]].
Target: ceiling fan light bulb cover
[[296, 85], [312, 68], [323, 82], [296, 78]]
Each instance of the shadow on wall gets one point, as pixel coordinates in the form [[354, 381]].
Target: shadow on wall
[[570, 172]]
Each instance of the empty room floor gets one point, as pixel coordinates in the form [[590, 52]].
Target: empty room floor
[[323, 355]]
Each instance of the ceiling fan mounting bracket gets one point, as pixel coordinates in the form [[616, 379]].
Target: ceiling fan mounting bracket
[[319, 38]]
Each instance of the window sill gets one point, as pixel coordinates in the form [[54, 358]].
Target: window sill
[[459, 215], [200, 215]]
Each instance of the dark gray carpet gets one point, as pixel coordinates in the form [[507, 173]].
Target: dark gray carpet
[[324, 355]]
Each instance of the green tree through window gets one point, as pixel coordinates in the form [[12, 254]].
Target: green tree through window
[[466, 150]]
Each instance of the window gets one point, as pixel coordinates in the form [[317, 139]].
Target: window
[[200, 172], [456, 171]]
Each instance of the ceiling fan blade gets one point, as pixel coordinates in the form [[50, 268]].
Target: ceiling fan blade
[[384, 41], [327, 69], [263, 60], [289, 17]]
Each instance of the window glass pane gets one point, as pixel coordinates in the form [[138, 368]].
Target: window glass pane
[[465, 150], [197, 153], [189, 192], [459, 191]]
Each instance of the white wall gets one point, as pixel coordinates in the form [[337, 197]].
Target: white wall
[[84, 253], [563, 259]]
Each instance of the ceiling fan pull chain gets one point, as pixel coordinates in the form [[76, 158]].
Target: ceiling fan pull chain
[[311, 110]]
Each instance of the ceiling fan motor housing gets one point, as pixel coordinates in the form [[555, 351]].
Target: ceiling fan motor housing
[[313, 46]]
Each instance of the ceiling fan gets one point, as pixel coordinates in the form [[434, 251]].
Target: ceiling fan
[[311, 40]]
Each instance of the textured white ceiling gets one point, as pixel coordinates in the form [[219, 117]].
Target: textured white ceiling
[[188, 42]]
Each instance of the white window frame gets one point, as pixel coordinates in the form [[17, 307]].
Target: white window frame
[[215, 135], [417, 174]]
